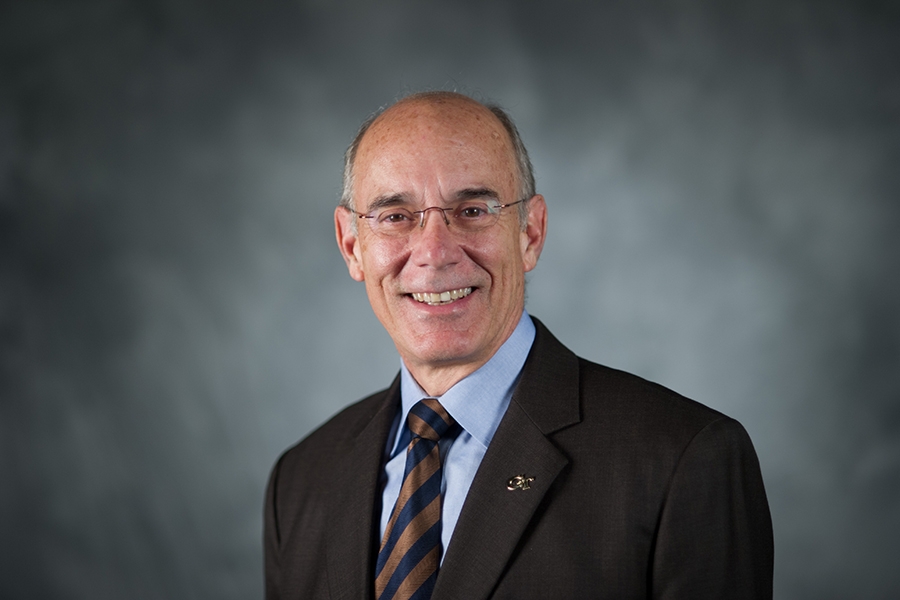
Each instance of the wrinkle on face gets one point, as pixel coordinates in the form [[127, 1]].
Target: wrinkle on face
[[432, 153]]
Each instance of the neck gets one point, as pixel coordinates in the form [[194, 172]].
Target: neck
[[436, 381], [435, 378]]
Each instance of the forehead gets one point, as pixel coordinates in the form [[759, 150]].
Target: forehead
[[448, 144]]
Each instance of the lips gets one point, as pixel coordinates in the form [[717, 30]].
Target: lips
[[438, 298]]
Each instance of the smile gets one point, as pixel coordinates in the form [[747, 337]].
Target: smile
[[434, 299]]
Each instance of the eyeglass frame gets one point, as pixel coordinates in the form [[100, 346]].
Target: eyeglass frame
[[421, 213]]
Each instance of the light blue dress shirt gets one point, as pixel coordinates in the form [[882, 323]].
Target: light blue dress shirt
[[478, 403]]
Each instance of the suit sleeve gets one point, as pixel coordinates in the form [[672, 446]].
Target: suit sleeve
[[715, 532]]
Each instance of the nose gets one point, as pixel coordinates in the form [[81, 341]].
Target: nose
[[422, 214], [434, 245]]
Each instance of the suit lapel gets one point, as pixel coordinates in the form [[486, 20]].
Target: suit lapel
[[494, 518], [351, 545]]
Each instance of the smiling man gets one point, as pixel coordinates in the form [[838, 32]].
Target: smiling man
[[498, 464]]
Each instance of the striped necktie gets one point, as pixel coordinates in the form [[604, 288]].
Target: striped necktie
[[411, 549]]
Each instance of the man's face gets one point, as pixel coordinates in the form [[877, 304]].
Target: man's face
[[423, 154]]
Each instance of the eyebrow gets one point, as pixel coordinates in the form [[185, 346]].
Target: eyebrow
[[481, 192], [388, 200]]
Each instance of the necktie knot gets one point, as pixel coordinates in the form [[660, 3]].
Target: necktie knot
[[429, 420]]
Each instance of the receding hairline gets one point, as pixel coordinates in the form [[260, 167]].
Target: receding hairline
[[520, 159], [434, 103], [433, 107]]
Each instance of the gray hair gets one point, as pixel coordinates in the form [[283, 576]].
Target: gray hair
[[523, 163]]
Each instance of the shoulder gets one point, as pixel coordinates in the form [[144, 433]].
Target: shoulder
[[627, 397], [327, 442], [332, 467], [619, 406], [645, 440], [648, 424], [303, 482]]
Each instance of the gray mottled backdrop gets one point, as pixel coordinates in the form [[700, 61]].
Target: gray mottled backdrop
[[723, 189]]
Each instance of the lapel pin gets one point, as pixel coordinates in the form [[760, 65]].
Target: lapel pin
[[519, 482]]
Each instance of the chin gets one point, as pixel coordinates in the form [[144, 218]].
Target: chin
[[444, 350]]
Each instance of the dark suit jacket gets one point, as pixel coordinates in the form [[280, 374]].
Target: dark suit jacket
[[637, 493]]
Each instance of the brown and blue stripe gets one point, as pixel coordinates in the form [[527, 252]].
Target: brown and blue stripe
[[411, 549]]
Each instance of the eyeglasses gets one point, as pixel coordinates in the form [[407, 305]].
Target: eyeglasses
[[466, 217]]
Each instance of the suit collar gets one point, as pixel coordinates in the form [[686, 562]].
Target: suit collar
[[494, 518], [548, 391]]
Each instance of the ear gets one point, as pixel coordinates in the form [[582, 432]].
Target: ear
[[532, 238], [348, 242]]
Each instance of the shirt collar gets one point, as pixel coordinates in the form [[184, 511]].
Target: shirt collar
[[478, 401]]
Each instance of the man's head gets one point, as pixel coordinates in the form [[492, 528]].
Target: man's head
[[523, 162], [448, 295]]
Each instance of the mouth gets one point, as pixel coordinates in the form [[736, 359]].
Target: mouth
[[439, 298]]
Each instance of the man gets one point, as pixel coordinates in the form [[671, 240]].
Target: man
[[498, 464]]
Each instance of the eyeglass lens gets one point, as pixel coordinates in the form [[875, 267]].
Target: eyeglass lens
[[465, 217]]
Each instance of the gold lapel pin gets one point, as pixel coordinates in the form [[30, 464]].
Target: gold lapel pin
[[519, 482]]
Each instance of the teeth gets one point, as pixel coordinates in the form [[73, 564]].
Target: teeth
[[434, 299]]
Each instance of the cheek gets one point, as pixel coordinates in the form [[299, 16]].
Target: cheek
[[380, 260], [502, 257]]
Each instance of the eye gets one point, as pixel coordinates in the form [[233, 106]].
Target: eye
[[395, 217], [472, 210]]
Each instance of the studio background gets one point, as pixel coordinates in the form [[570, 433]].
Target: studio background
[[722, 182]]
